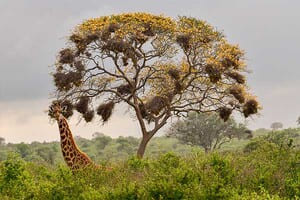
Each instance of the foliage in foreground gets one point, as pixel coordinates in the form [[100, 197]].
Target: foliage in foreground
[[268, 172]]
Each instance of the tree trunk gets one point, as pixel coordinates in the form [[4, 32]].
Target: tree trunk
[[142, 146]]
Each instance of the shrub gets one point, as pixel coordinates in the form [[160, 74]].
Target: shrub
[[265, 172]]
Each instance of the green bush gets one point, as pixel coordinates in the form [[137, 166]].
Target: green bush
[[267, 172]]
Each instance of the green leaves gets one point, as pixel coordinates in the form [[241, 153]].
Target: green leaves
[[270, 172]]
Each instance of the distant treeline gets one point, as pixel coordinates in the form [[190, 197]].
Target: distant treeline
[[102, 148]]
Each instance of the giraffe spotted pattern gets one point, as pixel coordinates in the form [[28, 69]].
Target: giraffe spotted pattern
[[74, 158]]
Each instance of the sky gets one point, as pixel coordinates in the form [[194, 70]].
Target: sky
[[33, 31]]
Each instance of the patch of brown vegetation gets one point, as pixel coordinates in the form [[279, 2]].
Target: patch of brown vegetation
[[105, 110], [184, 41], [213, 73], [225, 113], [239, 78], [174, 73], [82, 105], [238, 92], [124, 89], [66, 56], [250, 107], [89, 115], [156, 104]]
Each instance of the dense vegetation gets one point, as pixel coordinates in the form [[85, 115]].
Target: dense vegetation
[[265, 167], [101, 149]]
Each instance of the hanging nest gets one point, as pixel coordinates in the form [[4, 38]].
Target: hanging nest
[[140, 37], [64, 81], [61, 82], [227, 63], [144, 113], [178, 87], [250, 107], [80, 42], [81, 48], [174, 73], [66, 56], [143, 110], [88, 116], [59, 67], [239, 78], [124, 89], [184, 41], [125, 60], [75, 78], [76, 38], [105, 35], [105, 110], [213, 73], [131, 53], [116, 45], [170, 96], [225, 113], [91, 37], [148, 30], [79, 66], [111, 45], [82, 105], [156, 104], [113, 27], [238, 92]]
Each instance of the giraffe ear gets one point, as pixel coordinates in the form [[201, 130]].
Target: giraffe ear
[[64, 109]]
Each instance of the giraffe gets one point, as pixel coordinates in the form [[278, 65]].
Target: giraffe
[[73, 156]]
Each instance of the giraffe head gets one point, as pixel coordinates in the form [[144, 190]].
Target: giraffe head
[[56, 110]]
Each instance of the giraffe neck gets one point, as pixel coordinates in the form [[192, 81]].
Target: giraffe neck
[[71, 153], [68, 145]]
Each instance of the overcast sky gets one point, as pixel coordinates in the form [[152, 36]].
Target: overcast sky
[[33, 31]]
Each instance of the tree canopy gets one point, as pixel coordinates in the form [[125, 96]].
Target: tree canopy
[[276, 125], [207, 130], [2, 141], [159, 66]]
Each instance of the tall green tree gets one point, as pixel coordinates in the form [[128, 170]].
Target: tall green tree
[[207, 130], [2, 141], [48, 153], [160, 67], [23, 149], [276, 125], [101, 140]]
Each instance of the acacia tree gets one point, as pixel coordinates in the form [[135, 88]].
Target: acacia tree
[[207, 130], [159, 66], [276, 125]]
